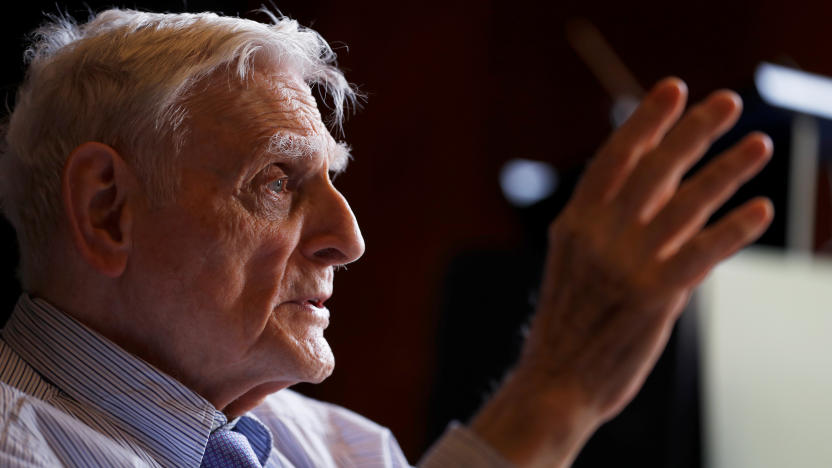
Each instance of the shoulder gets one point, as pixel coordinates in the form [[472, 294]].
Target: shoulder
[[22, 409], [34, 433], [22, 442]]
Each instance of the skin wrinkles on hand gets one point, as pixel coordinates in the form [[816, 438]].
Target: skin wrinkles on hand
[[624, 256]]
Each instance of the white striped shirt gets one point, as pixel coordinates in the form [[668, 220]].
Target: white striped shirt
[[70, 397]]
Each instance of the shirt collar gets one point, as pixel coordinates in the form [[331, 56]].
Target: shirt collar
[[171, 421]]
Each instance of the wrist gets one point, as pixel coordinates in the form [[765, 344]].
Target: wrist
[[536, 419]]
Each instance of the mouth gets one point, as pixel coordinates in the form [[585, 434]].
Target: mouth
[[308, 304], [311, 307]]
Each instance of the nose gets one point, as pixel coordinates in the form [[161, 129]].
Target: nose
[[332, 236]]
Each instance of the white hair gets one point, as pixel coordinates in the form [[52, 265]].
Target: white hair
[[122, 79]]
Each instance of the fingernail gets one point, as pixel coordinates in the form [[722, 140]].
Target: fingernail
[[759, 144], [763, 210], [725, 102], [669, 89]]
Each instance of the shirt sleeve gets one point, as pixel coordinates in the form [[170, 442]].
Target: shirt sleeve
[[459, 447]]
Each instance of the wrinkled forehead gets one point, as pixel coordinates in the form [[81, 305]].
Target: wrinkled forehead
[[271, 112]]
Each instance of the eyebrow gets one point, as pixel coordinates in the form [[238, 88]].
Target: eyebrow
[[341, 158], [301, 147]]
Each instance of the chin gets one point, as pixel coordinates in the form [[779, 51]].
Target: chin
[[322, 375], [319, 362]]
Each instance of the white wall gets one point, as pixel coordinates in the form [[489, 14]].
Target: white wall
[[766, 330]]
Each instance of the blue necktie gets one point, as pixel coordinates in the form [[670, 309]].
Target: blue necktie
[[233, 449], [227, 449]]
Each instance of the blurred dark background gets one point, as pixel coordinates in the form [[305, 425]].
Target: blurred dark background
[[425, 323]]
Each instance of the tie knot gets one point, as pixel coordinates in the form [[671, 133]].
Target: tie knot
[[232, 449]]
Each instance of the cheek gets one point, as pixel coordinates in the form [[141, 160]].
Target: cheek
[[221, 266], [242, 269], [262, 272], [249, 270], [208, 253]]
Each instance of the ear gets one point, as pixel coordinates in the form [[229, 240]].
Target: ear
[[97, 190]]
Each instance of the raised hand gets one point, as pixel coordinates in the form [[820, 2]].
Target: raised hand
[[624, 256]]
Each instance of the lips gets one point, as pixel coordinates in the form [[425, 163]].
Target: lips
[[312, 300], [312, 309], [315, 302]]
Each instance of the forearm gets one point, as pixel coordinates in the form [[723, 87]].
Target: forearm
[[534, 420]]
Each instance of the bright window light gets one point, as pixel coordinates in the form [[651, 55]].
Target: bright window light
[[794, 89], [525, 182]]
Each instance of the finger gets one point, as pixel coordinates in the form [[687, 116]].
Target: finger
[[704, 193], [738, 229], [641, 132], [656, 178]]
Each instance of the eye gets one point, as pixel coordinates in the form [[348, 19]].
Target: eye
[[278, 185]]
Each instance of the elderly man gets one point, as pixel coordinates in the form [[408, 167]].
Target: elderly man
[[168, 177]]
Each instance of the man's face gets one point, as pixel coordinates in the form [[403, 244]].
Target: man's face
[[233, 274]]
